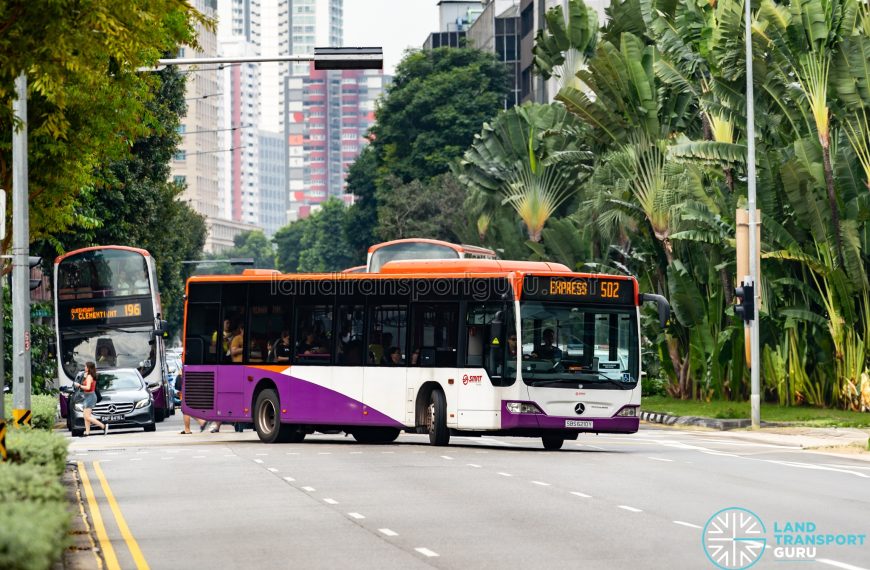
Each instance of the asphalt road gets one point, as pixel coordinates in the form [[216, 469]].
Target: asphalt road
[[214, 501]]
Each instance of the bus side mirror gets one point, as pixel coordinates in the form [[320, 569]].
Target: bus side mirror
[[663, 306]]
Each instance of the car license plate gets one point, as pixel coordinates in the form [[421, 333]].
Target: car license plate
[[578, 423], [111, 418]]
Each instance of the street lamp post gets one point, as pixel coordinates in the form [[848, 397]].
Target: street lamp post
[[755, 396]]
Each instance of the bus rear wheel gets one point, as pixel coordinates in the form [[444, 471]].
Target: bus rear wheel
[[267, 421], [376, 435], [436, 419], [552, 442]]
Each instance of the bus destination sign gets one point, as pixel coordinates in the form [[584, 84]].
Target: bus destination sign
[[587, 290], [111, 313]]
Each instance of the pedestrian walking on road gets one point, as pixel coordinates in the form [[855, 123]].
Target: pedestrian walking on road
[[88, 386]]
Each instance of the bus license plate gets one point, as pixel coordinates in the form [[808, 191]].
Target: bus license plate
[[111, 418], [578, 424]]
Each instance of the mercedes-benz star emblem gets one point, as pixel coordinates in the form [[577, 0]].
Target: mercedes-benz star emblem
[[579, 408], [111, 408]]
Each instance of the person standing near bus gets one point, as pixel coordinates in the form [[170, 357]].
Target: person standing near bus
[[88, 387]]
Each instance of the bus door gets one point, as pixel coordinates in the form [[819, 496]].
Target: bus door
[[230, 347], [386, 357]]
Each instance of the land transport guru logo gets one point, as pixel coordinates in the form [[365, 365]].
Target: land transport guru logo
[[735, 539]]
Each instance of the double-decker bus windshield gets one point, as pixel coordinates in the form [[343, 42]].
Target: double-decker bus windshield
[[102, 273], [410, 250], [108, 348], [570, 345]]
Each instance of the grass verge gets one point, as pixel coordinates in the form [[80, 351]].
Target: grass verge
[[799, 415]]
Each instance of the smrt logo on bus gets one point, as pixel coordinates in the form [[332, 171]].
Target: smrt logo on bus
[[466, 379]]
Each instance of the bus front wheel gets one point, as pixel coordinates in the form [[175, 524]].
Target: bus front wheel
[[267, 421], [552, 443], [437, 419]]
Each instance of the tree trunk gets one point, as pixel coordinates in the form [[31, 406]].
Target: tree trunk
[[832, 199]]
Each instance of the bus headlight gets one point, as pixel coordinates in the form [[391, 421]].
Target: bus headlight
[[523, 408], [629, 412], [142, 403]]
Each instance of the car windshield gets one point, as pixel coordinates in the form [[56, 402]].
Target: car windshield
[[115, 348], [119, 380], [569, 346]]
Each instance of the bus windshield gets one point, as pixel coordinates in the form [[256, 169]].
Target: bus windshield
[[102, 273], [410, 250], [565, 345], [110, 348]]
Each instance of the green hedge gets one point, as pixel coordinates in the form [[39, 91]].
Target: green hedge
[[33, 534], [43, 408], [26, 481], [34, 519], [37, 447]]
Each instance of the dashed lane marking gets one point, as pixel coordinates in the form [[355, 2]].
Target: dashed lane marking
[[660, 459], [202, 457], [309, 489], [272, 469], [330, 501], [426, 552], [261, 454], [683, 523], [475, 465], [258, 461], [356, 516], [289, 479], [447, 457], [388, 532], [505, 474], [541, 483], [324, 453], [630, 509], [356, 452], [388, 452], [579, 494]]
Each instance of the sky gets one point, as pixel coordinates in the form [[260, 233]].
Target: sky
[[392, 24]]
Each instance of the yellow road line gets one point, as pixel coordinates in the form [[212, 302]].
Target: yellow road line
[[138, 558], [102, 537]]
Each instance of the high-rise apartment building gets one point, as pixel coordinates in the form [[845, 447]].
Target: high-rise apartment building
[[197, 163], [497, 30], [337, 110], [273, 182]]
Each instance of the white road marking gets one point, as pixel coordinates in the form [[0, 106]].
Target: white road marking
[[261, 454], [324, 453], [293, 453], [579, 494], [491, 441], [388, 532], [631, 509], [202, 457], [721, 453], [289, 479], [447, 457], [272, 469], [836, 564], [426, 552], [258, 461], [355, 516], [475, 465], [505, 474], [845, 466], [593, 446], [660, 459], [817, 467], [309, 489], [388, 452], [356, 452], [330, 501], [541, 483], [481, 452], [683, 523]]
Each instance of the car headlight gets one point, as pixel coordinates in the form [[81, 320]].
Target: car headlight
[[523, 408], [142, 403], [78, 407]]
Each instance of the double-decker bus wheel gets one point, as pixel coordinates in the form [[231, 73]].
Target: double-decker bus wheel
[[268, 423], [436, 419]]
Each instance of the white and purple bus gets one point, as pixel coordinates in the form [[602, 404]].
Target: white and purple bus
[[107, 310], [463, 346]]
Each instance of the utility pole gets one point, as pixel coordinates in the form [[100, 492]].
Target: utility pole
[[20, 262], [755, 397]]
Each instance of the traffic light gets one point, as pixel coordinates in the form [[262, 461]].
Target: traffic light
[[33, 261], [746, 297]]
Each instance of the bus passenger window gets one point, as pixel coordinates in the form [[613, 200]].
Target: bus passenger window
[[435, 334], [313, 334], [350, 335], [388, 331]]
